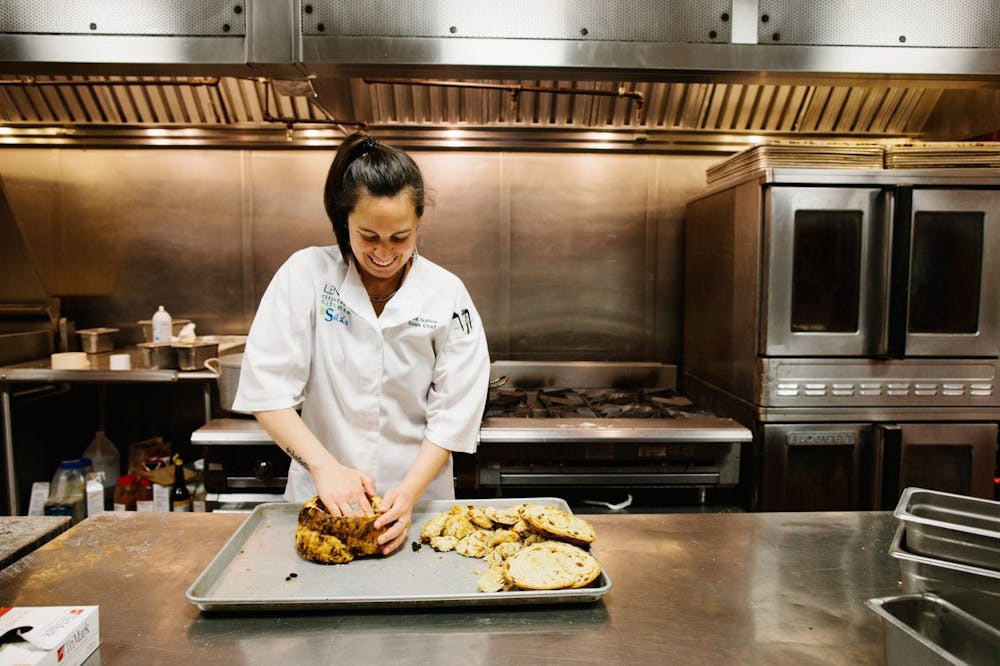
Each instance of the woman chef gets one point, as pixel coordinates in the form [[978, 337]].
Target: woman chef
[[382, 349]]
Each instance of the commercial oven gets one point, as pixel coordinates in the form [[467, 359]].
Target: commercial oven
[[866, 466], [846, 315]]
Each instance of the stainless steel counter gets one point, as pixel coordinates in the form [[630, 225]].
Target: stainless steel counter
[[19, 535], [707, 588]]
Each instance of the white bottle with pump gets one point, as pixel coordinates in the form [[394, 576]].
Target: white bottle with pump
[[162, 326]]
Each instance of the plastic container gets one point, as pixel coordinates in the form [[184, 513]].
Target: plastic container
[[125, 493], [162, 326], [95, 496], [68, 490], [106, 461]]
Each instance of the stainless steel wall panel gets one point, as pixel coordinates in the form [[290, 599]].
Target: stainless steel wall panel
[[897, 23], [284, 213], [578, 261], [566, 257], [118, 234]]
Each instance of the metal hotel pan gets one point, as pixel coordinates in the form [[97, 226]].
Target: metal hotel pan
[[252, 571], [928, 574], [951, 527], [925, 629]]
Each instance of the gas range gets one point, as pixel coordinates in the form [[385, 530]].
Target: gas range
[[582, 424]]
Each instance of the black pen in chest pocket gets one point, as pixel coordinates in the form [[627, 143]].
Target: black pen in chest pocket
[[464, 320]]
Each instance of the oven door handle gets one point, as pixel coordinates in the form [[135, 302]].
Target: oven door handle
[[901, 226], [886, 473]]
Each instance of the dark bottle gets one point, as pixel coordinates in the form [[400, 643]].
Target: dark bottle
[[180, 497]]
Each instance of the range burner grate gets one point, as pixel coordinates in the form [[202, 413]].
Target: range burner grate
[[653, 403]]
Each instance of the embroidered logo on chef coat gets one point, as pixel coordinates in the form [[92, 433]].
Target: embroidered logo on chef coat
[[333, 308]]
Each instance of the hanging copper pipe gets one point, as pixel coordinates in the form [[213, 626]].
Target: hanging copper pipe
[[516, 88]]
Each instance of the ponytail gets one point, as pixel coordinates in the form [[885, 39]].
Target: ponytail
[[363, 164]]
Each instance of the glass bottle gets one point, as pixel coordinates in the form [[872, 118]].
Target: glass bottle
[[199, 496], [180, 496]]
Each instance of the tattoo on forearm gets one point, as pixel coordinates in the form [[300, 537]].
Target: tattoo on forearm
[[296, 457]]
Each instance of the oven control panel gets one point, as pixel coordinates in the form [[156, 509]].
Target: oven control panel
[[868, 382]]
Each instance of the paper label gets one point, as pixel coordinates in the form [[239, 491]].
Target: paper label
[[161, 498], [39, 493], [95, 498]]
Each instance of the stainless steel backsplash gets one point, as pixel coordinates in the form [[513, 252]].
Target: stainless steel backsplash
[[567, 256]]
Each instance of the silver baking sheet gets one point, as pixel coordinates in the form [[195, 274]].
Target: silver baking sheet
[[253, 571], [921, 573], [951, 527]]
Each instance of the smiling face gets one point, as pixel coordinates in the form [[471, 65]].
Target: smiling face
[[383, 234]]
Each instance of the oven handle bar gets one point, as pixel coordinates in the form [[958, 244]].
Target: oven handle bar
[[571, 479], [899, 271]]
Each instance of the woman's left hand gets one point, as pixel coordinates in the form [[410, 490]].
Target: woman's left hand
[[397, 513]]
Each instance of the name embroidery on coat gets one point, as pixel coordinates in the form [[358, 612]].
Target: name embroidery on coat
[[423, 322]]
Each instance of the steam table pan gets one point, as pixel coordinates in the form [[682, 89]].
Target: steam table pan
[[926, 629], [921, 573], [253, 571], [951, 527]]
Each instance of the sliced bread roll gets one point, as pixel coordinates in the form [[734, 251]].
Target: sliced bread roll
[[328, 539], [551, 565], [557, 524]]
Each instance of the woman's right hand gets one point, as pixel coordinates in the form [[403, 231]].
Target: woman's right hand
[[344, 490]]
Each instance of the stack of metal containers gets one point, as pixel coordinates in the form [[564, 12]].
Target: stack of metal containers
[[948, 547]]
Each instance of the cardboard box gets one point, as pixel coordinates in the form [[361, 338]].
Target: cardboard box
[[56, 635]]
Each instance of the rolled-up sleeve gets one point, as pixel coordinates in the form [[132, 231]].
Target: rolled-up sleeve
[[460, 382], [276, 363]]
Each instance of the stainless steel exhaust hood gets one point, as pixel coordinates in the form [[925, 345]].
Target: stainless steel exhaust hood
[[591, 74]]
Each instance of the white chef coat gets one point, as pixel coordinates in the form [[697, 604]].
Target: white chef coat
[[371, 388]]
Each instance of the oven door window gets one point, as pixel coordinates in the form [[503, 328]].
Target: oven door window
[[826, 271], [946, 272], [953, 302]]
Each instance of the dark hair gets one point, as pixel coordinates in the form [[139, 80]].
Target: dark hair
[[364, 164]]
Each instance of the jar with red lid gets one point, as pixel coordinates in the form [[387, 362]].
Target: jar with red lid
[[125, 493], [144, 495]]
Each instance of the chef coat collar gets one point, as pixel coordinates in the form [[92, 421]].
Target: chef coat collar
[[402, 307]]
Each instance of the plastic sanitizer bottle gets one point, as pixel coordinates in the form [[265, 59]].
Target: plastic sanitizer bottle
[[163, 325], [106, 460]]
